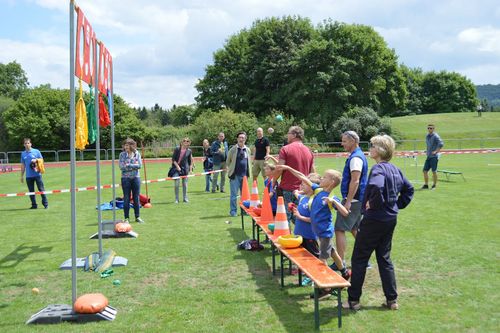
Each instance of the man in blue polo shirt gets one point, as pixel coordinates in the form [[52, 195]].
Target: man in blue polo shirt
[[434, 145], [28, 160]]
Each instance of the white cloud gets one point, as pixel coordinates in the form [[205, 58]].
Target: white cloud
[[165, 90], [482, 74], [484, 39], [441, 47], [43, 63]]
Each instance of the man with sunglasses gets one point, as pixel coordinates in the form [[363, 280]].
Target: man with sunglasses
[[434, 145], [238, 162]]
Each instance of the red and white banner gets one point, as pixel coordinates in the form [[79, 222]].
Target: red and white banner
[[84, 63], [105, 61]]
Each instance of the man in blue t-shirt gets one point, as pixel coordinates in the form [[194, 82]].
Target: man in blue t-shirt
[[434, 145], [33, 175]]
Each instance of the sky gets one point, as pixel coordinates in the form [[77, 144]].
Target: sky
[[161, 48]]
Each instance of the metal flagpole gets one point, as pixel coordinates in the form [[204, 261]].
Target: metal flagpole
[[112, 115], [72, 146], [97, 64]]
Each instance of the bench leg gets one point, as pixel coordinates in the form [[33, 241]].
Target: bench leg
[[253, 229], [300, 277], [282, 270], [273, 251], [256, 227], [289, 267], [242, 224], [316, 308], [339, 306]]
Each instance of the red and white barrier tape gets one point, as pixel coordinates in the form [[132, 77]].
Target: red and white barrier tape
[[400, 153], [91, 188]]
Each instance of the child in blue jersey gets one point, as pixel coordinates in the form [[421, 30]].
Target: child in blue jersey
[[272, 185], [303, 216], [320, 206]]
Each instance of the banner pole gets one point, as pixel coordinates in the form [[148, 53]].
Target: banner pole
[[72, 146], [97, 64]]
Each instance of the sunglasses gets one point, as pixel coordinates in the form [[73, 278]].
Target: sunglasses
[[430, 128]]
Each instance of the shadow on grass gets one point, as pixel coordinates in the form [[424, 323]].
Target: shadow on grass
[[16, 209], [286, 306], [215, 217], [20, 254]]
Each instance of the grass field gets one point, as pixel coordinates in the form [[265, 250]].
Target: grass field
[[185, 274], [453, 129]]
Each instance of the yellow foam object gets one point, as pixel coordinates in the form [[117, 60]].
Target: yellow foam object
[[290, 241]]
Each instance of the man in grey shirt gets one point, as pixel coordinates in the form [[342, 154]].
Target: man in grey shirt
[[434, 145]]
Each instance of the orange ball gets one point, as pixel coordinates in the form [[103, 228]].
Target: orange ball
[[147, 205]]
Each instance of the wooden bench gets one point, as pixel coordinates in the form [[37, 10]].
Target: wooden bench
[[449, 173], [322, 275]]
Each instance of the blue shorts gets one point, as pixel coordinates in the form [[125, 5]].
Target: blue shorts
[[431, 163]]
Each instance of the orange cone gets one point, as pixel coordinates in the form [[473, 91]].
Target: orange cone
[[266, 214], [281, 222], [245, 192], [254, 197]]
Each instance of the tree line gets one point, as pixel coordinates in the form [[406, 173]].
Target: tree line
[[326, 78]]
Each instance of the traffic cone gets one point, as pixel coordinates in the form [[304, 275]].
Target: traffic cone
[[281, 222], [245, 192], [254, 197], [266, 214]]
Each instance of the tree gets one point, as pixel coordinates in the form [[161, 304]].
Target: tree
[[127, 125], [444, 92], [13, 80], [182, 115], [251, 71], [5, 103], [373, 75], [312, 74], [364, 121], [413, 81], [40, 114], [210, 123]]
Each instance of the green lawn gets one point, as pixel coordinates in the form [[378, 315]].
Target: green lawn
[[185, 274], [453, 129]]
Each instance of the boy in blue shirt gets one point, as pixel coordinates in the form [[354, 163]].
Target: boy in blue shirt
[[272, 185], [303, 216], [320, 206], [29, 156]]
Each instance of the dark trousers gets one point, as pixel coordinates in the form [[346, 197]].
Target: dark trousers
[[30, 181], [373, 236], [131, 185]]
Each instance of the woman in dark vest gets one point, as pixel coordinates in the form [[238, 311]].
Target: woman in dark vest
[[182, 165], [208, 164]]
